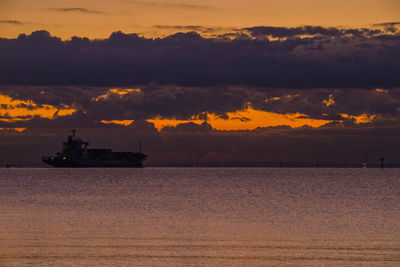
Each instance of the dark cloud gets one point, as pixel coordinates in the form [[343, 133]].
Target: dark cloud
[[327, 60], [181, 102], [329, 104], [391, 27], [284, 32], [13, 22], [198, 28], [187, 6], [180, 27], [77, 9], [386, 24], [153, 100], [280, 32], [171, 5]]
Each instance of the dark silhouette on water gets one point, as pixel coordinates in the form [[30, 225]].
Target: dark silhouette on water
[[75, 153], [382, 159], [364, 162], [8, 165]]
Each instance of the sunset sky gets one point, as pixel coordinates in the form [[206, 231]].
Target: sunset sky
[[98, 18], [290, 80]]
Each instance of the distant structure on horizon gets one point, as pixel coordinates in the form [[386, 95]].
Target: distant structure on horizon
[[75, 153]]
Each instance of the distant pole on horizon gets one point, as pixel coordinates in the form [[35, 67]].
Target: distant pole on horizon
[[199, 157], [140, 145], [382, 159]]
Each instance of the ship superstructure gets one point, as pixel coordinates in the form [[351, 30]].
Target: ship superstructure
[[75, 153]]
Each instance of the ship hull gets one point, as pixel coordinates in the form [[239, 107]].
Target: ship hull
[[60, 163]]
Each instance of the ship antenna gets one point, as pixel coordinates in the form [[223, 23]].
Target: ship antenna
[[140, 146], [73, 134]]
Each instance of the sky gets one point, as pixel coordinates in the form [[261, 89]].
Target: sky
[[228, 81], [98, 18]]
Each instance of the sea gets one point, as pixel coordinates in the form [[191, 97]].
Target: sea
[[200, 217]]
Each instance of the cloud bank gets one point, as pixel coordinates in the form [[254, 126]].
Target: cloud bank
[[304, 57], [346, 78], [177, 5], [12, 22], [76, 9]]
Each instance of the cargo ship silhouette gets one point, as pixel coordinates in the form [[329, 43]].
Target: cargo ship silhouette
[[75, 153]]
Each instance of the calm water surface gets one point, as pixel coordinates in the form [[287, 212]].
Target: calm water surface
[[200, 217]]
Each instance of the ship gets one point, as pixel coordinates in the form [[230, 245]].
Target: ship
[[75, 154]]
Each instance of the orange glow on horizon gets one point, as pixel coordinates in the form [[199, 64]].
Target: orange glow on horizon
[[160, 123], [362, 118], [16, 110], [379, 90], [119, 122], [116, 92], [248, 119], [20, 130]]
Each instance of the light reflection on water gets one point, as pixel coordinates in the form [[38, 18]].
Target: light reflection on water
[[200, 217]]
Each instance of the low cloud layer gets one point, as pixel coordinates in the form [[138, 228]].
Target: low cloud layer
[[177, 5], [179, 102], [76, 9], [12, 22]]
